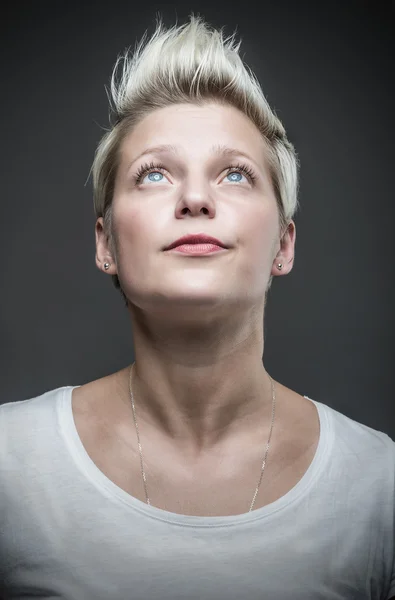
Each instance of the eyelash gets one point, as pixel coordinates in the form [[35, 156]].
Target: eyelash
[[146, 168]]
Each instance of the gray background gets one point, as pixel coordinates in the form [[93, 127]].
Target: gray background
[[328, 73]]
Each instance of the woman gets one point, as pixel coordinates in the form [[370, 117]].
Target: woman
[[191, 473]]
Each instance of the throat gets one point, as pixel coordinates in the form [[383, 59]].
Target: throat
[[196, 419]]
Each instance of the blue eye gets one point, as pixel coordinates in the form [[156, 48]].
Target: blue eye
[[234, 176], [154, 172], [242, 169], [156, 176], [149, 169]]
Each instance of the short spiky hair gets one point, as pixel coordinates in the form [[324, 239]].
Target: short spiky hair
[[190, 63]]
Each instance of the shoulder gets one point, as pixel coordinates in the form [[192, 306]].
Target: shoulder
[[27, 430], [28, 407], [354, 436], [95, 399], [35, 405], [361, 459], [21, 419], [345, 436]]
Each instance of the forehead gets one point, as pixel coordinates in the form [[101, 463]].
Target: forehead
[[187, 129]]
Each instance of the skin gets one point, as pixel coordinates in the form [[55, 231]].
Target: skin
[[199, 380]]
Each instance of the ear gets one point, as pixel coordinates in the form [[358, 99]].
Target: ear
[[286, 254], [103, 253]]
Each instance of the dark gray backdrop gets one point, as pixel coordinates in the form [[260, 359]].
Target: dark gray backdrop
[[328, 73]]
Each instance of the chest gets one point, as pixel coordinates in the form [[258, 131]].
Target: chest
[[220, 484]]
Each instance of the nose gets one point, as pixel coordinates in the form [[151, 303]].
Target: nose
[[195, 198]]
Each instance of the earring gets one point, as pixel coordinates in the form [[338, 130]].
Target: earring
[[279, 266], [106, 266]]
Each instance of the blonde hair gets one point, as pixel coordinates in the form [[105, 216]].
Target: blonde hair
[[190, 63]]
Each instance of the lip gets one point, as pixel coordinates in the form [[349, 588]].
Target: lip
[[196, 238], [197, 249]]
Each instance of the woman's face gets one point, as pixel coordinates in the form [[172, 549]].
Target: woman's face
[[190, 190]]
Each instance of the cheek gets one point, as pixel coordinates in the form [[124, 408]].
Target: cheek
[[128, 225], [138, 243], [261, 230], [260, 241]]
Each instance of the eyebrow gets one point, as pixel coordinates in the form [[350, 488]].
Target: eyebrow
[[216, 150]]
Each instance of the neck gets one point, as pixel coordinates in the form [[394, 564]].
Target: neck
[[200, 399]]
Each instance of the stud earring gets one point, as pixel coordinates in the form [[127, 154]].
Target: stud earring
[[106, 266], [279, 266]]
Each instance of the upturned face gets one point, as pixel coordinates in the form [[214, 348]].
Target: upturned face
[[187, 169]]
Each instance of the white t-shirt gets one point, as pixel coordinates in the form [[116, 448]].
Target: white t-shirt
[[67, 531]]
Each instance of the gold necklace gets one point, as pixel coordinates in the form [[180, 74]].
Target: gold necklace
[[141, 452]]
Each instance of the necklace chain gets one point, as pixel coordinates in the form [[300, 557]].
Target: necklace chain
[[141, 452]]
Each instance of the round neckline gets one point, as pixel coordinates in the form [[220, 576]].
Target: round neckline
[[107, 487]]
